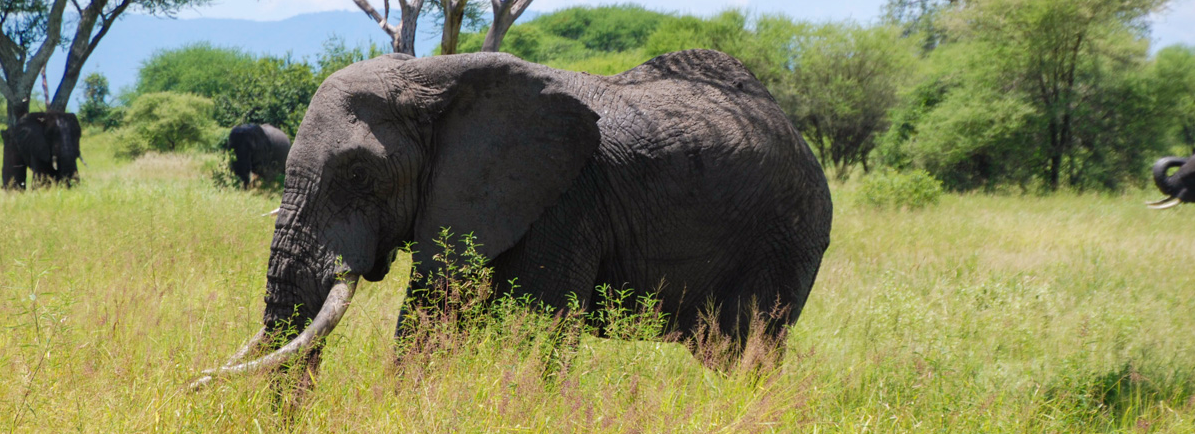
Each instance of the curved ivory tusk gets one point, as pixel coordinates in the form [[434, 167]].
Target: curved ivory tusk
[[1160, 201], [1167, 203], [251, 346], [273, 213], [334, 308]]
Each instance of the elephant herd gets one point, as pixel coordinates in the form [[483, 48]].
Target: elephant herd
[[680, 178], [47, 145]]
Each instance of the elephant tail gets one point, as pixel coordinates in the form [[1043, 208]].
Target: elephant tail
[[1160, 168]]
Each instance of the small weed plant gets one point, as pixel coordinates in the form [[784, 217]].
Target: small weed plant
[[908, 190]]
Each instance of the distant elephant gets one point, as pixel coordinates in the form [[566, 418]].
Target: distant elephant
[[680, 178], [1178, 187], [47, 143], [257, 149]]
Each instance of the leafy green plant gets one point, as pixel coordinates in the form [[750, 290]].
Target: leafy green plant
[[217, 170], [910, 190], [168, 122]]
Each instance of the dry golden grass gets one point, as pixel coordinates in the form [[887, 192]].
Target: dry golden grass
[[1066, 313]]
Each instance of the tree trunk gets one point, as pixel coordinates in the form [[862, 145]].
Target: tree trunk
[[454, 13], [406, 30], [505, 14], [402, 38], [1055, 169], [13, 175]]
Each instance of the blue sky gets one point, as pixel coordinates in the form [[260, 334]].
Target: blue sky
[[1176, 25]]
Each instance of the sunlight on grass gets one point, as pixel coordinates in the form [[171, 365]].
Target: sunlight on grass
[[1066, 313]]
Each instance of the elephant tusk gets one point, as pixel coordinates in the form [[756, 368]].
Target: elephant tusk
[[251, 346], [273, 213], [1165, 203], [334, 308]]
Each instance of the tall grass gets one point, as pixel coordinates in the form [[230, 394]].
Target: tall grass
[[1067, 313]]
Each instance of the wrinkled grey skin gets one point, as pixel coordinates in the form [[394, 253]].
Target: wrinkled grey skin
[[681, 175], [1180, 184], [47, 143], [258, 149]]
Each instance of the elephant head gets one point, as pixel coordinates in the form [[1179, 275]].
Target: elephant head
[[1178, 187], [48, 144], [390, 151]]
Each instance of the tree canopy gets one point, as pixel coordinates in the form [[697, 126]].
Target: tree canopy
[[983, 94]]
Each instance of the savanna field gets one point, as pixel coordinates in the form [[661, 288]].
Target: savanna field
[[984, 313]]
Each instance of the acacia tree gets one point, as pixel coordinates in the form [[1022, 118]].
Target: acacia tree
[[842, 80], [505, 14], [1058, 56], [402, 36], [32, 29]]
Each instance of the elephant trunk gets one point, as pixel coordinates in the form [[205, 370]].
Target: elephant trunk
[[304, 281], [1160, 177], [1168, 187]]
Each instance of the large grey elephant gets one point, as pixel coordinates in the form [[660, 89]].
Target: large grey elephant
[[45, 143], [259, 150], [1178, 187], [681, 177]]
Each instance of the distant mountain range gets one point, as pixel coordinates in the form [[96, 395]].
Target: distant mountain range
[[136, 37]]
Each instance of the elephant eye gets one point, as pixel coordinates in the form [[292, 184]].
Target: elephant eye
[[357, 177]]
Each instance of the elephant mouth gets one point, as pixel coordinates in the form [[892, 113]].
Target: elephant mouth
[[325, 321]]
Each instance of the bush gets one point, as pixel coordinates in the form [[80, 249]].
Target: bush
[[198, 68], [168, 122], [909, 190]]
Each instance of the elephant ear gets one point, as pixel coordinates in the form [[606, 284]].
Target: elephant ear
[[507, 143]]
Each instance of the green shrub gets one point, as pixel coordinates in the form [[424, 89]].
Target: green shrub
[[910, 190], [199, 68], [168, 122]]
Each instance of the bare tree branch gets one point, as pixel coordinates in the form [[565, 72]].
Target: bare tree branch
[[373, 13], [26, 74], [505, 14], [402, 37], [83, 45]]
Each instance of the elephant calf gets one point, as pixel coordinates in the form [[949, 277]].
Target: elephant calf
[[1178, 187], [47, 143], [259, 150], [680, 178]]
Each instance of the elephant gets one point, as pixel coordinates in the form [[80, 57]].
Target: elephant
[[680, 178], [257, 149], [47, 143], [1178, 187]]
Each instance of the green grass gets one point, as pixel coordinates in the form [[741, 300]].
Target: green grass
[[1066, 313]]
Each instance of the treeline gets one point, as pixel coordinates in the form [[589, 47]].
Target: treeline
[[189, 97], [1028, 94], [1033, 95]]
